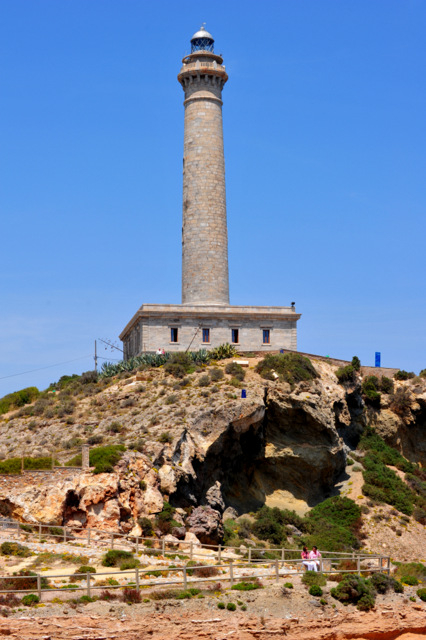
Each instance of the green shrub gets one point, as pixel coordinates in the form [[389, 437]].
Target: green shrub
[[84, 569], [103, 459], [346, 375], [422, 373], [314, 578], [14, 549], [291, 367], [216, 374], [56, 532], [404, 375], [146, 526], [30, 600], [271, 524], [179, 364], [422, 594], [223, 351], [371, 441], [288, 585], [18, 399], [132, 563], [315, 590], [356, 363], [23, 580], [410, 580], [383, 583], [235, 370], [114, 557], [231, 606], [220, 605], [334, 525], [165, 437], [355, 590], [383, 485], [204, 381], [386, 385], [247, 586], [370, 390], [411, 569]]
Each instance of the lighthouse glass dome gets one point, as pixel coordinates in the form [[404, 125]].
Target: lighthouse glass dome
[[202, 41]]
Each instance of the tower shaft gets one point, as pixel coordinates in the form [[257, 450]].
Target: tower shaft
[[205, 277]]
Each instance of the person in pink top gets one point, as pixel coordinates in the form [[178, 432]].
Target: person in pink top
[[310, 566], [314, 556]]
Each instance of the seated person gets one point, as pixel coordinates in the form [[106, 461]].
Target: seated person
[[314, 556]]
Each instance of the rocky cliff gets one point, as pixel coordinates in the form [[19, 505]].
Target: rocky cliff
[[196, 442]]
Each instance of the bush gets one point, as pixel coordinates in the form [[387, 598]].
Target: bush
[[18, 399], [9, 600], [231, 606], [204, 381], [401, 402], [216, 375], [334, 524], [84, 569], [114, 557], [356, 363], [14, 549], [146, 525], [346, 375], [315, 590], [355, 590], [235, 370], [404, 375], [223, 351], [179, 364], [108, 595], [206, 572], [132, 563], [314, 578], [271, 524], [96, 439], [288, 585], [383, 583], [131, 596], [164, 520], [103, 459], [406, 570], [386, 385], [371, 441], [384, 485], [30, 600], [370, 387], [166, 437], [422, 373], [291, 368], [24, 580], [247, 586], [220, 605], [422, 594]]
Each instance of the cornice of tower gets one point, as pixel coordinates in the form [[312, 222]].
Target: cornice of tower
[[202, 64]]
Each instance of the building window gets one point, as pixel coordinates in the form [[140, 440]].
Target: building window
[[206, 335], [173, 334], [266, 336], [234, 336]]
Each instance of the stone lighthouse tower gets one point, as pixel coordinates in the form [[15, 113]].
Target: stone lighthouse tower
[[206, 319], [205, 277]]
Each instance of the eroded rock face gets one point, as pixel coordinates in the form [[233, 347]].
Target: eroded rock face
[[206, 524]]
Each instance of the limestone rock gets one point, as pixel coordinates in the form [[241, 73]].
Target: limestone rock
[[206, 524], [214, 497], [179, 532]]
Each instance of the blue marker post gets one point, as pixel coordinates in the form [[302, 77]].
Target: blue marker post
[[377, 359], [243, 393]]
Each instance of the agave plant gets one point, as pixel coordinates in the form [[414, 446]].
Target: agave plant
[[223, 351]]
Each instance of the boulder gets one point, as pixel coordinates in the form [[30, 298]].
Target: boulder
[[206, 524], [214, 497], [179, 532], [230, 514]]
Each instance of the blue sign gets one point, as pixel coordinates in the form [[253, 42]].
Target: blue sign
[[243, 393], [377, 360]]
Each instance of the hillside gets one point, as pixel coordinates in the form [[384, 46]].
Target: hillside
[[182, 434]]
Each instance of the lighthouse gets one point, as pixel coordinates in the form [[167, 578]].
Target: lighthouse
[[206, 319]]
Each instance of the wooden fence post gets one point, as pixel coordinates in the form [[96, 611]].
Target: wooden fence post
[[388, 569], [358, 565], [39, 532], [112, 541], [282, 555], [137, 578], [277, 571], [39, 585], [191, 550], [219, 553], [65, 534], [137, 544], [249, 555], [231, 572], [163, 547], [88, 536], [185, 579], [88, 584]]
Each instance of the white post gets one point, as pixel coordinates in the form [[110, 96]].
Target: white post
[[277, 571], [231, 572], [191, 550], [185, 579], [88, 583]]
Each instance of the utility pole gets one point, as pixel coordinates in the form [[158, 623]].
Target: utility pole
[[96, 358]]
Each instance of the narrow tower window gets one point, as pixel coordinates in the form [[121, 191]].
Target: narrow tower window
[[173, 334], [206, 335], [266, 336], [234, 336]]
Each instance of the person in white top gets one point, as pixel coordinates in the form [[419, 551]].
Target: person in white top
[[314, 556]]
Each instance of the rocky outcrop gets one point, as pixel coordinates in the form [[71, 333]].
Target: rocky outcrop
[[206, 524]]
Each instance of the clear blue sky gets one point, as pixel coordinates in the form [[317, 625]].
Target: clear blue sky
[[324, 124]]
